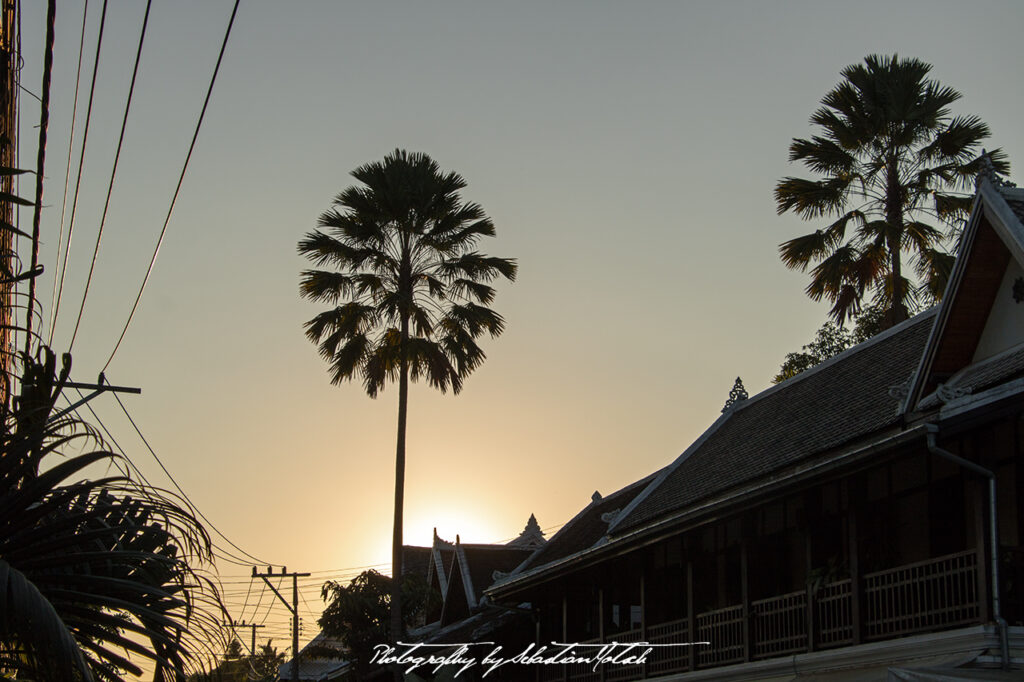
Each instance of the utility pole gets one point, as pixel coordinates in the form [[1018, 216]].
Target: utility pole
[[243, 624], [8, 151], [293, 607]]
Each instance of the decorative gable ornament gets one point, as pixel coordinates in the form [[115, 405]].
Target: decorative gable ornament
[[737, 395], [532, 535], [988, 171]]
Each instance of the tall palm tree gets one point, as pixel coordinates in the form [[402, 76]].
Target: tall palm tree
[[891, 157], [408, 290]]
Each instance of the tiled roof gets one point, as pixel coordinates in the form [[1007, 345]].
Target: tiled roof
[[484, 560], [415, 560], [477, 627], [1017, 206], [586, 528], [839, 401], [315, 661]]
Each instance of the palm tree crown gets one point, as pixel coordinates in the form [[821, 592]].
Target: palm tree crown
[[405, 275], [409, 292], [892, 158]]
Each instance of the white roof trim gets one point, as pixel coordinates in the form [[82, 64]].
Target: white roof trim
[[1003, 220], [467, 580], [992, 203], [660, 478]]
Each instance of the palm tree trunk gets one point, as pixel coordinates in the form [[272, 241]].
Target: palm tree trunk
[[396, 540], [894, 216]]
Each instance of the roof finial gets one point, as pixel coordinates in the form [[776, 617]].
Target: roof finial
[[737, 395], [532, 535], [989, 172]]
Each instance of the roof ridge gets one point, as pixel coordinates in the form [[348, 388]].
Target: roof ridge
[[828, 362], [660, 476]]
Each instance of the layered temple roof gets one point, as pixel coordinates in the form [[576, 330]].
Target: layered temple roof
[[918, 370]]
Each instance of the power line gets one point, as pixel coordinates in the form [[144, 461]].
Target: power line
[[181, 178], [71, 145], [81, 162], [225, 555], [180, 490], [113, 172]]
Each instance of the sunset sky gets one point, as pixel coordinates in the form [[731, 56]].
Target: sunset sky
[[627, 154]]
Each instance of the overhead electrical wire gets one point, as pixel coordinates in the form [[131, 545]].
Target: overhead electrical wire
[[224, 554], [177, 189], [78, 177], [228, 596], [113, 172], [180, 490], [71, 146]]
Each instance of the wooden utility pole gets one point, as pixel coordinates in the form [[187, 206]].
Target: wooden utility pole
[[293, 607], [8, 151], [243, 624]]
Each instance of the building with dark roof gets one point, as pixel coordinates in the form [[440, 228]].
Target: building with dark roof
[[863, 520]]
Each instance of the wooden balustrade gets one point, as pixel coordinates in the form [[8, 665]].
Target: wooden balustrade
[[835, 614], [585, 672], [780, 624], [619, 673], [724, 628], [925, 596], [669, 659]]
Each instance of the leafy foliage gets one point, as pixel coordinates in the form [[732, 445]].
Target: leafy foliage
[[92, 571], [890, 157], [831, 340], [266, 662], [237, 666], [358, 613]]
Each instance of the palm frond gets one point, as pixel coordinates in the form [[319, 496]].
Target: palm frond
[[811, 198], [96, 570], [888, 142]]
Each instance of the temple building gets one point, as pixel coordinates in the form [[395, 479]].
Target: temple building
[[863, 520]]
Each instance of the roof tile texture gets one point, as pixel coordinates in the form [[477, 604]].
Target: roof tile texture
[[808, 414]]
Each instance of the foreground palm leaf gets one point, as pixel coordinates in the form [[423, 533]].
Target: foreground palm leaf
[[408, 289], [94, 573], [890, 156]]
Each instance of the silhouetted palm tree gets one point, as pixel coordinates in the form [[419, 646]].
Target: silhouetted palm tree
[[408, 290], [890, 155], [91, 570]]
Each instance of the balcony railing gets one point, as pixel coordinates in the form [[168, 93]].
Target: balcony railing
[[669, 659], [586, 672], [724, 629], [618, 673], [780, 624], [926, 596], [835, 614]]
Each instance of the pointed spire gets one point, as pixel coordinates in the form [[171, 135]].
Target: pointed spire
[[988, 171], [737, 395], [595, 497], [532, 535]]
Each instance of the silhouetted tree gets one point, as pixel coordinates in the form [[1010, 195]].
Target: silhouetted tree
[[91, 570], [831, 340], [891, 156], [358, 614], [408, 290]]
